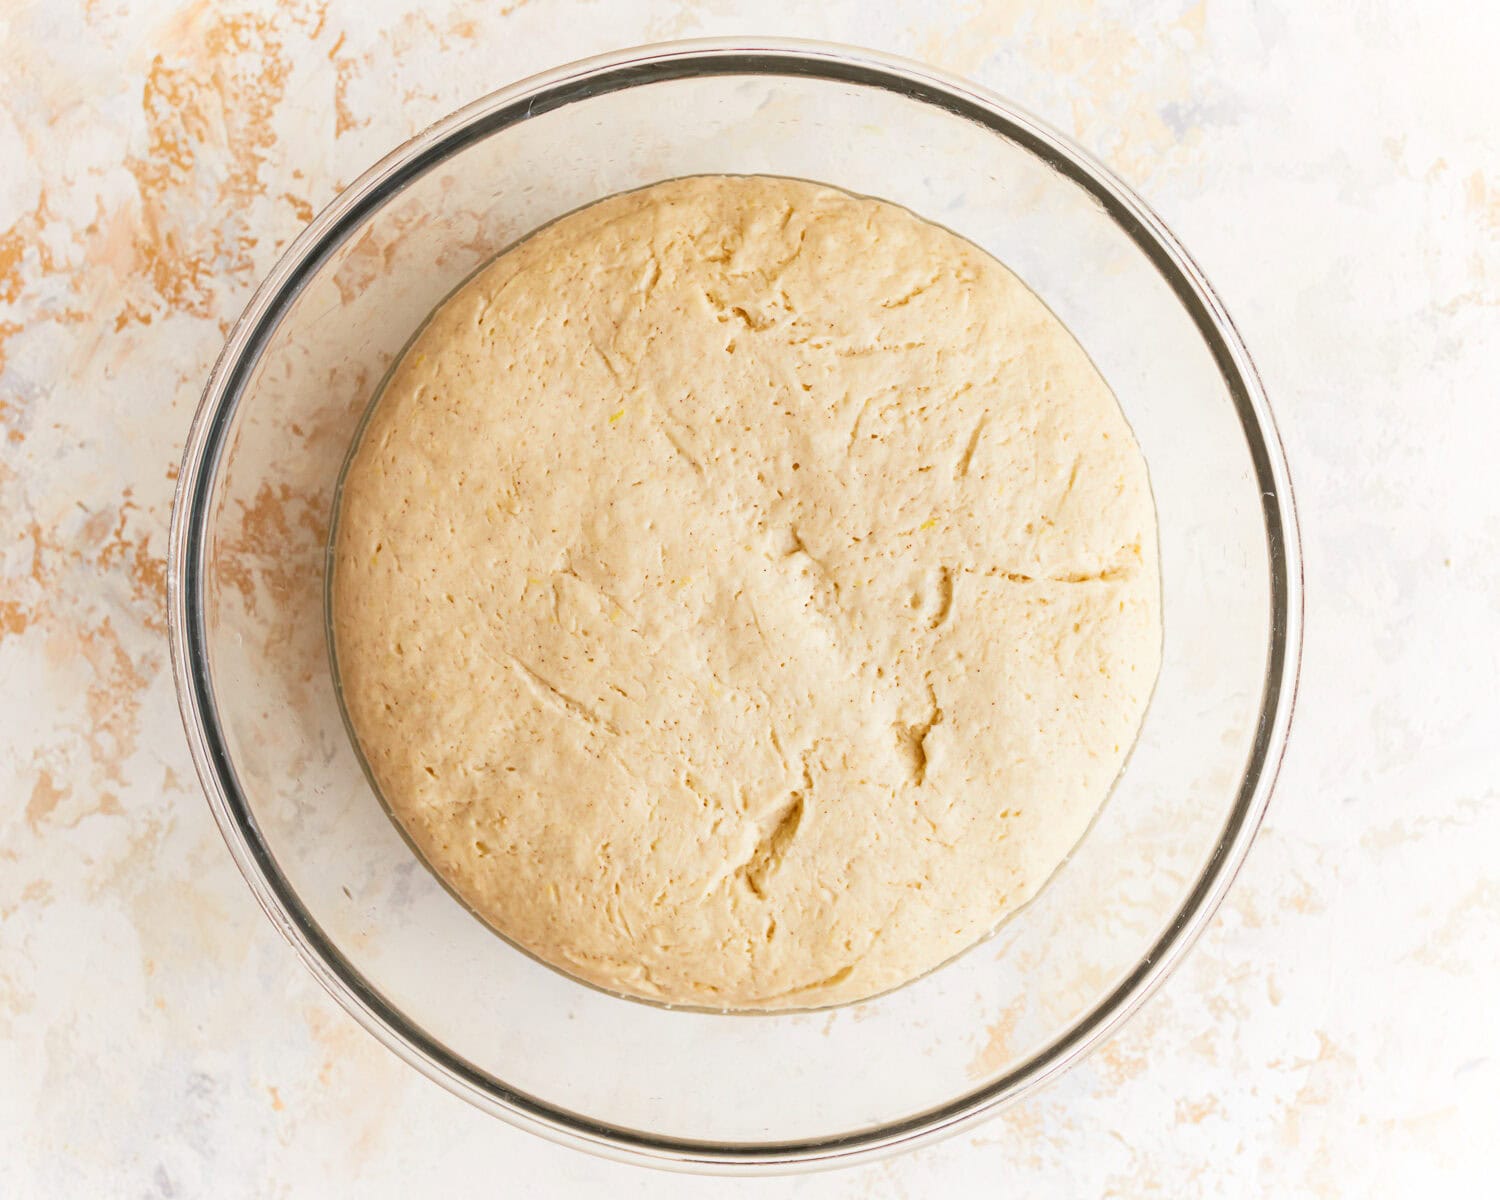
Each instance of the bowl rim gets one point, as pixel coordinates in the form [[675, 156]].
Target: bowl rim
[[594, 76]]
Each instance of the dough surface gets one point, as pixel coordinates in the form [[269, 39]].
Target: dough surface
[[745, 593]]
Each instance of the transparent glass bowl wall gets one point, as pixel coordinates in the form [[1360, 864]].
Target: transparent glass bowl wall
[[247, 588]]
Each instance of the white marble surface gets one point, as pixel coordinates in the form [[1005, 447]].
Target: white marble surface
[[1334, 167]]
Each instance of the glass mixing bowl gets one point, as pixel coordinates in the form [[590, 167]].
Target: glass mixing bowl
[[248, 560]]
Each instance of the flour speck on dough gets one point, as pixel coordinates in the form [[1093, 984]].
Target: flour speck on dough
[[746, 593]]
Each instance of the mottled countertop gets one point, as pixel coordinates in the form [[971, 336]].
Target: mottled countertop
[[1334, 168]]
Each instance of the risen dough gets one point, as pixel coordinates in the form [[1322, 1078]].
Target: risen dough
[[745, 593]]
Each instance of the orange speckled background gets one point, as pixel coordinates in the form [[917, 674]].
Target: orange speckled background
[[1335, 170]]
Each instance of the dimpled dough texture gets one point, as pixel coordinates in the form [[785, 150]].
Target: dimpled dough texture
[[745, 594]]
